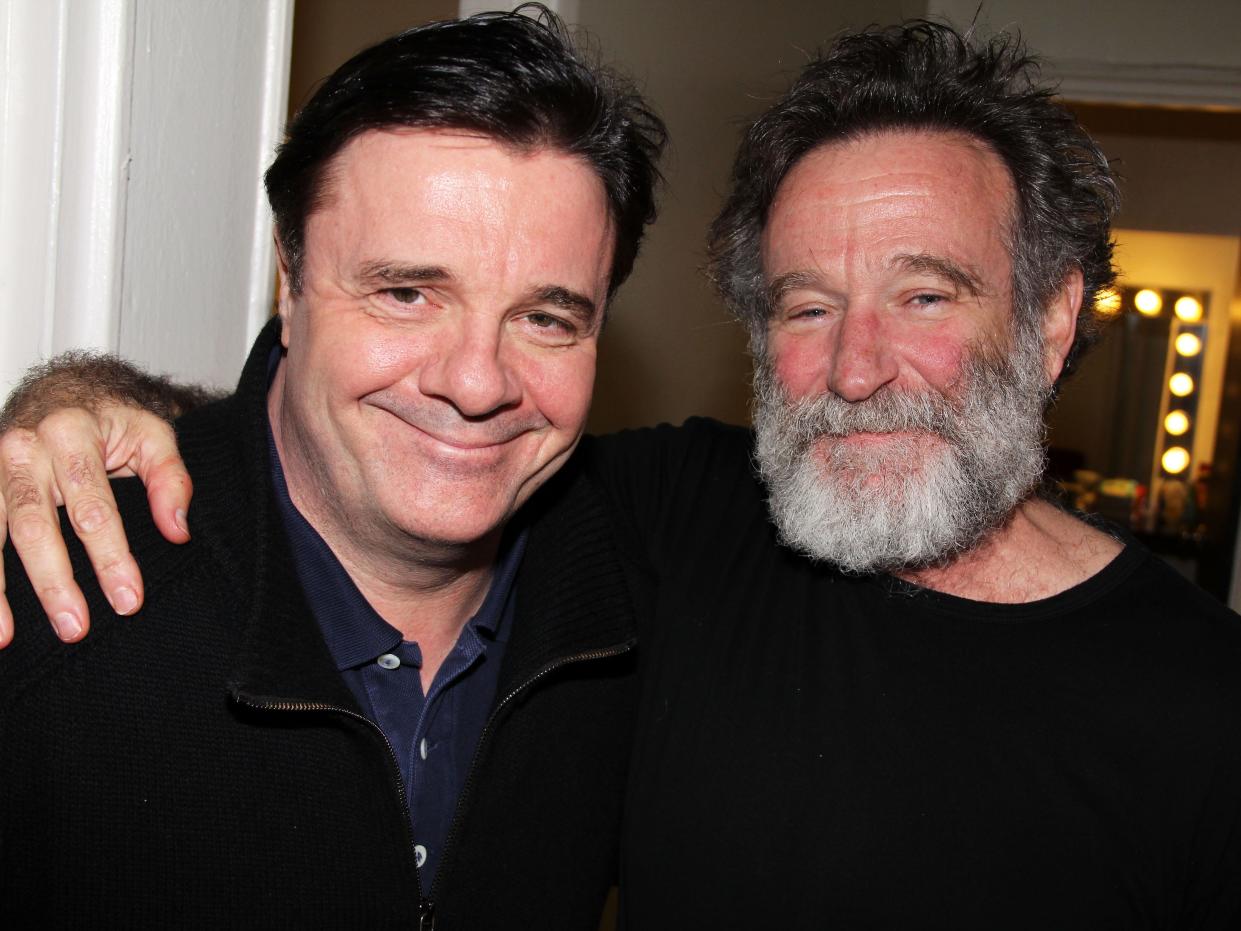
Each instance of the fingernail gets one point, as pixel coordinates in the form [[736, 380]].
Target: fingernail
[[180, 521], [68, 627], [124, 600]]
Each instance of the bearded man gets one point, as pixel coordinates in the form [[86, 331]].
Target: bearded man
[[885, 684]]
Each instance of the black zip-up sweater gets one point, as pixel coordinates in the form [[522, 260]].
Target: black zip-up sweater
[[203, 765]]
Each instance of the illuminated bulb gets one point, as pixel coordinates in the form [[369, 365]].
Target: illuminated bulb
[[1188, 309], [1181, 384], [1107, 303], [1187, 344], [1176, 423], [1148, 302], [1176, 459]]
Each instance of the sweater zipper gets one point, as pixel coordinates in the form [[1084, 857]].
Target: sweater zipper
[[426, 907], [468, 786]]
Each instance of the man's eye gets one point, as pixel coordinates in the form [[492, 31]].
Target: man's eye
[[928, 300], [811, 312], [405, 295], [549, 322]]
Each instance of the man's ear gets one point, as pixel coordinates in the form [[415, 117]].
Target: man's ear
[[1060, 324], [284, 293]]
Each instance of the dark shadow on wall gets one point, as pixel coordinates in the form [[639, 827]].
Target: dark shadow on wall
[[327, 33], [631, 389]]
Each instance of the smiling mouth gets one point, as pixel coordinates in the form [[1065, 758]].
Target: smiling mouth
[[463, 444], [453, 445]]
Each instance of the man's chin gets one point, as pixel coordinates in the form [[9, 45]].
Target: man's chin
[[873, 503], [450, 536], [877, 460]]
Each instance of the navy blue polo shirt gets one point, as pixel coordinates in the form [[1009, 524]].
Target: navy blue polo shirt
[[433, 736]]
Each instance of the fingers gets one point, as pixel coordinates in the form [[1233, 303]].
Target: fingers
[[6, 616], [151, 447], [27, 483], [73, 440], [67, 460], [6, 613]]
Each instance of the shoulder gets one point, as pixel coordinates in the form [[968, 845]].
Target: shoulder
[[182, 582], [697, 435], [1183, 643], [53, 695], [1160, 596], [698, 448]]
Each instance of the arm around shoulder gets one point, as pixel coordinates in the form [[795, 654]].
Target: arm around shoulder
[[70, 424]]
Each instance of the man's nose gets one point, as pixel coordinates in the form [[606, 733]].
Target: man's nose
[[470, 371], [862, 358]]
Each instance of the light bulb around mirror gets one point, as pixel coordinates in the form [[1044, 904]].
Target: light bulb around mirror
[[1188, 344], [1176, 423], [1148, 302], [1176, 460], [1188, 309]]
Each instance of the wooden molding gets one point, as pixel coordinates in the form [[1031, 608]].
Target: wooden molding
[[1151, 85]]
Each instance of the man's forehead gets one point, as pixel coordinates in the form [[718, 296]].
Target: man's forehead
[[923, 184], [397, 155], [422, 197], [957, 161]]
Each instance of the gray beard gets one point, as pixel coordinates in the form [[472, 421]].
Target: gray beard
[[958, 471]]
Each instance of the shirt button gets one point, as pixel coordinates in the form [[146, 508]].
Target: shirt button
[[389, 661], [420, 855], [422, 748]]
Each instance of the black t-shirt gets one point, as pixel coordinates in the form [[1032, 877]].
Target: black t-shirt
[[816, 750]]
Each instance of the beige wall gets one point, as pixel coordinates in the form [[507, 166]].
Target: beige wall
[[1179, 169], [1186, 185], [1151, 32]]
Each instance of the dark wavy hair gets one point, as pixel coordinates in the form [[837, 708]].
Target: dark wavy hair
[[925, 75], [517, 79]]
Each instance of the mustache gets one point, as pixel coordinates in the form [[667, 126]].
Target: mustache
[[886, 411], [957, 418], [444, 422]]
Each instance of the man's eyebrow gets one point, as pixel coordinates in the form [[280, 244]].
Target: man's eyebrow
[[579, 305], [396, 273], [942, 268], [789, 281]]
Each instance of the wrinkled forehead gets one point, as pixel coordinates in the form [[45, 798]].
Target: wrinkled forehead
[[881, 198], [961, 168]]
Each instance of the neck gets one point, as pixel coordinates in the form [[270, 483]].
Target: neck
[[1040, 551]]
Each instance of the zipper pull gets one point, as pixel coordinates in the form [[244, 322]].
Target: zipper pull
[[426, 915]]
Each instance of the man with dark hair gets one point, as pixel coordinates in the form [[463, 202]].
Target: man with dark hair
[[884, 683], [378, 687]]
